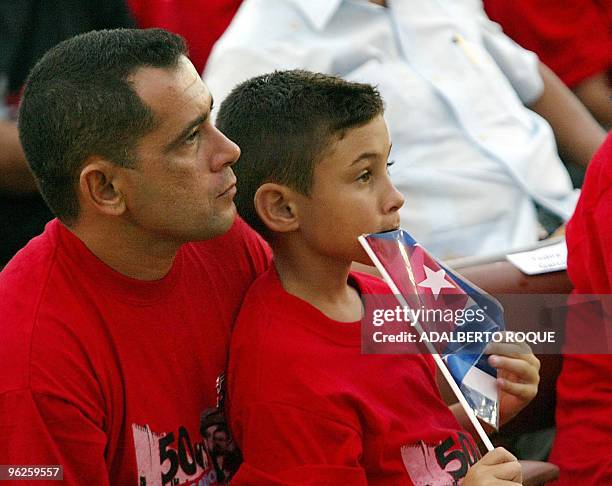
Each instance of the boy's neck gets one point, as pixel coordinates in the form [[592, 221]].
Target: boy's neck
[[321, 281]]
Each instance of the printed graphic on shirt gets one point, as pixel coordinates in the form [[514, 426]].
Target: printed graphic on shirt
[[174, 458], [443, 464], [225, 456], [171, 458]]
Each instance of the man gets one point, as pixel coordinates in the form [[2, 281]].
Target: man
[[114, 328], [471, 159]]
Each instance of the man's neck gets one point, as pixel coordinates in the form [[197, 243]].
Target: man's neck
[[320, 281], [128, 251]]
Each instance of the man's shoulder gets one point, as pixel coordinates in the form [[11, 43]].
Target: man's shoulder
[[27, 273], [37, 299], [240, 249], [38, 248]]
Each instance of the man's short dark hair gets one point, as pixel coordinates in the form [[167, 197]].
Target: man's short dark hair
[[78, 102], [283, 123]]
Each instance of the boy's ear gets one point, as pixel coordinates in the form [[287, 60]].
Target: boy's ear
[[99, 184], [276, 207]]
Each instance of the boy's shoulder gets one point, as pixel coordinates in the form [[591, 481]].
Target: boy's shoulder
[[267, 293], [265, 287], [262, 306], [370, 284]]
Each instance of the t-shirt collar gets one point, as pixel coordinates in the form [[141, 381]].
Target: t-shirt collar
[[106, 279]]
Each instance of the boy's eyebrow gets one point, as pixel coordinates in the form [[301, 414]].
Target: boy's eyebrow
[[369, 155], [187, 130], [364, 156]]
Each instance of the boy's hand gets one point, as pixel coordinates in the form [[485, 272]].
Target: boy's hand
[[518, 376], [497, 467]]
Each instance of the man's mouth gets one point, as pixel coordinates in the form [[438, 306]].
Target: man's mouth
[[230, 190]]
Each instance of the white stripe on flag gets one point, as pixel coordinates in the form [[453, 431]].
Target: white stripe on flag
[[480, 381]]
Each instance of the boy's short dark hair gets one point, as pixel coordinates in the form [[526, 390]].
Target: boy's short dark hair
[[78, 102], [283, 123]]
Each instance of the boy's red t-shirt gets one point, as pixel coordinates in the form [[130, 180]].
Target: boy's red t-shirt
[[307, 407]]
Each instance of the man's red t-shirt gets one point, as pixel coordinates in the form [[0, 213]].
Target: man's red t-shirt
[[106, 375]]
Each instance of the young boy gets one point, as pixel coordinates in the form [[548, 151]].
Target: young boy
[[305, 405]]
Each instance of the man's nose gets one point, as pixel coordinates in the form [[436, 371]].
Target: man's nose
[[226, 151]]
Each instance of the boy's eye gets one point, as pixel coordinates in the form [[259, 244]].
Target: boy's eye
[[389, 164], [365, 176]]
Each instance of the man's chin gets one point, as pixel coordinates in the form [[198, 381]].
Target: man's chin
[[217, 225]]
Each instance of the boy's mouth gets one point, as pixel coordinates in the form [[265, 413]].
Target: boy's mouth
[[388, 230]]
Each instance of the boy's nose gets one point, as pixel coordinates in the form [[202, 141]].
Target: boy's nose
[[394, 200]]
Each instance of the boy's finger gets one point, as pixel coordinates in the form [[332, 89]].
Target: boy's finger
[[498, 455], [508, 349], [522, 390], [510, 471], [512, 351], [526, 371]]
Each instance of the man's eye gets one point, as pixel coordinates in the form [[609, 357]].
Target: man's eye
[[389, 164], [365, 176], [193, 137]]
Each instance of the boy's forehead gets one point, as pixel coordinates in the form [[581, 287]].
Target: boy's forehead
[[348, 145], [330, 148]]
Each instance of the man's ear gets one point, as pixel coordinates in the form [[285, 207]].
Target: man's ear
[[98, 184], [276, 207]]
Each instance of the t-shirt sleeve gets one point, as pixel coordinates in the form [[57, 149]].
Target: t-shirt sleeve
[[38, 429], [284, 444]]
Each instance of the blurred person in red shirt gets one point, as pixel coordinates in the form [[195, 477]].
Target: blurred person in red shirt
[[584, 388], [573, 38], [200, 22]]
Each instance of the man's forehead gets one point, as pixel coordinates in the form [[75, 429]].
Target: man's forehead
[[174, 86]]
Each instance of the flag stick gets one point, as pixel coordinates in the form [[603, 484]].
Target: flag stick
[[438, 360]]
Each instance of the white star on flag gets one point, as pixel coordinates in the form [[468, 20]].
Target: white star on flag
[[435, 281]]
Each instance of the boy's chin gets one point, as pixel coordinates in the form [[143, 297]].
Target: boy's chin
[[363, 258]]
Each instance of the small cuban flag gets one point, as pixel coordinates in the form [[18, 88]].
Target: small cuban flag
[[421, 283]]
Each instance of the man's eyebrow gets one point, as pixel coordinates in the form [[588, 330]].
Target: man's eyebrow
[[189, 128]]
